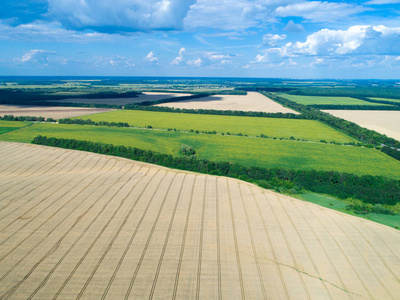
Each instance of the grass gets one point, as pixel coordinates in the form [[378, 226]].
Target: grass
[[7, 126], [272, 127], [323, 100], [244, 150], [339, 205]]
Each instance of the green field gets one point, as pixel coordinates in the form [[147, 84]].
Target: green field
[[322, 100], [7, 126], [244, 150], [272, 127], [333, 203]]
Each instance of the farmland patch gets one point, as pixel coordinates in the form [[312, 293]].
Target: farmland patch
[[247, 151], [251, 102]]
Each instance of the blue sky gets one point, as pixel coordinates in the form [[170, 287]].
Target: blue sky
[[213, 38]]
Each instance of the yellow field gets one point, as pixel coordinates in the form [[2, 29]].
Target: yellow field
[[80, 225], [384, 122], [251, 102]]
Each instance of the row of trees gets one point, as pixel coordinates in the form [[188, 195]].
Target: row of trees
[[355, 107], [26, 118], [370, 189], [90, 122], [259, 114]]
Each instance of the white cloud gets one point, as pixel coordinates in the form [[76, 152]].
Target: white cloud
[[273, 39], [195, 62], [231, 15], [318, 11], [179, 59], [151, 57], [381, 2], [120, 15], [35, 56], [221, 14], [356, 40], [51, 31], [293, 27]]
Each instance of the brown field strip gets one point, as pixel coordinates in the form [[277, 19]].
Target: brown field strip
[[384, 122], [77, 225], [55, 112], [253, 101]]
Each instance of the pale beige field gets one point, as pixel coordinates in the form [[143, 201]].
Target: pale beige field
[[385, 122], [56, 112], [146, 96], [253, 101], [80, 225]]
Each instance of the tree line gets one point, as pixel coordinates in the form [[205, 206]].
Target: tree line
[[355, 107], [238, 113], [90, 122], [26, 118], [369, 189]]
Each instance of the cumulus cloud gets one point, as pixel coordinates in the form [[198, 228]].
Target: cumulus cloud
[[151, 57], [179, 59], [293, 27], [273, 39], [318, 11], [120, 15], [380, 40]]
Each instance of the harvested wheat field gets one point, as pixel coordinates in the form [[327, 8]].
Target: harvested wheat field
[[146, 96], [251, 102], [81, 225], [55, 112], [384, 122]]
